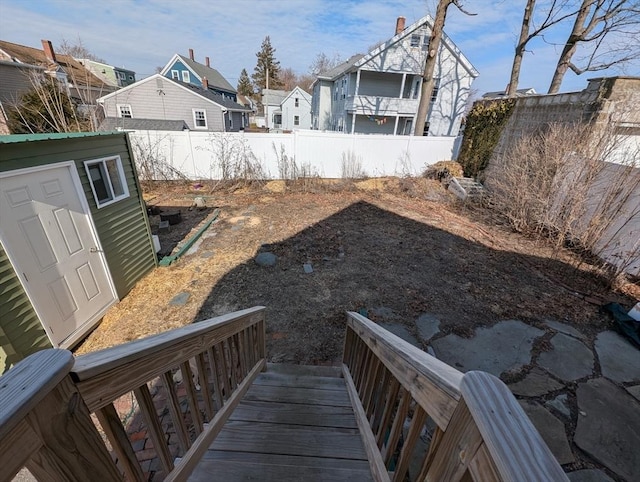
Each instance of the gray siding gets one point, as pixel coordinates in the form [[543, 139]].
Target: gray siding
[[174, 103], [303, 111]]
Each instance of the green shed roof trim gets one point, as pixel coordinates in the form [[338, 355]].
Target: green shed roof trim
[[10, 139]]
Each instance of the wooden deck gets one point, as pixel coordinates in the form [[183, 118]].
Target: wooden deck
[[294, 423]]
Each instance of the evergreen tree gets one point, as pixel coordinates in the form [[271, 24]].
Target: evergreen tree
[[266, 60], [244, 84]]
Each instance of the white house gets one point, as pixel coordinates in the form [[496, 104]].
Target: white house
[[287, 110], [379, 93]]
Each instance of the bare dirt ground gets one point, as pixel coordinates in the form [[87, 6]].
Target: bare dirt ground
[[404, 245]]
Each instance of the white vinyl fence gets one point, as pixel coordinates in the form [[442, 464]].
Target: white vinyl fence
[[208, 155]]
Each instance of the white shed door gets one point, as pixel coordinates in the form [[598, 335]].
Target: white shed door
[[49, 237]]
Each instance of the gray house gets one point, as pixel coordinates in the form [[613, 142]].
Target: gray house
[[287, 110], [74, 237], [379, 93], [159, 98]]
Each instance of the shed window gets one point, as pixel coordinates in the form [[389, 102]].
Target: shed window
[[186, 77], [107, 179], [200, 118], [124, 111]]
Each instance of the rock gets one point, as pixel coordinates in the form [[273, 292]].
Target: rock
[[634, 391], [308, 268], [536, 383], [560, 403], [566, 329], [609, 430], [180, 299], [276, 186], [619, 359], [382, 313], [589, 475], [551, 429], [400, 331], [428, 326], [569, 359], [266, 259], [504, 346]]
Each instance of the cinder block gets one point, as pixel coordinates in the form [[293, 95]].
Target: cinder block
[[164, 227]]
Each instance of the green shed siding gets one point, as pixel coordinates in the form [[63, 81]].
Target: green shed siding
[[21, 333], [122, 227]]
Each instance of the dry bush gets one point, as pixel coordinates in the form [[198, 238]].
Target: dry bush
[[233, 161], [442, 170], [151, 160], [352, 166], [557, 183]]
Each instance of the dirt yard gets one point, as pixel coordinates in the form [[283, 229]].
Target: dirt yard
[[402, 247]]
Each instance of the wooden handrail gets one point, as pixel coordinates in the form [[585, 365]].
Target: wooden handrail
[[481, 433], [48, 427]]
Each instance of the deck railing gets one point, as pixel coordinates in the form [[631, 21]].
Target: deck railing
[[460, 426], [47, 400]]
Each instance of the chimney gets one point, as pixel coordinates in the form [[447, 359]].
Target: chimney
[[205, 83], [48, 51], [191, 54], [206, 61], [400, 25]]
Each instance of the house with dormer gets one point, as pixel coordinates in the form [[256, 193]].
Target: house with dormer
[[379, 92], [188, 71]]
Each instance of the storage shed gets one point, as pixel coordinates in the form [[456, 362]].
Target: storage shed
[[74, 237]]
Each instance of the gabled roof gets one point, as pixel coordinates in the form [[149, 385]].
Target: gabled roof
[[359, 60], [301, 92], [75, 71], [214, 77], [113, 123], [274, 96], [204, 93]]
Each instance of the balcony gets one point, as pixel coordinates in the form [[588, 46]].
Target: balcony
[[375, 105]]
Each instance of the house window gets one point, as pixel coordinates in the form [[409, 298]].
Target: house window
[[122, 76], [415, 40], [425, 43], [296, 120], [186, 77], [297, 102], [107, 179], [175, 75], [131, 77], [230, 120], [436, 88], [200, 118], [124, 110]]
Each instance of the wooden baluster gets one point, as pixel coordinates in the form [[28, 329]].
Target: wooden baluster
[[222, 358], [175, 411], [347, 349], [192, 397], [396, 429], [154, 428], [117, 435], [436, 438], [360, 357], [378, 400], [389, 406], [233, 369], [371, 385], [204, 385], [242, 359], [415, 428], [363, 371], [262, 346], [217, 388]]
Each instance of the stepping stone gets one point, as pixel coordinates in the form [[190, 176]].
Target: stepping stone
[[180, 299], [551, 429], [560, 403], [400, 331], [506, 346], [619, 359], [634, 391], [569, 359], [382, 313], [566, 329], [589, 475], [428, 326], [609, 430], [266, 259], [536, 383], [307, 268]]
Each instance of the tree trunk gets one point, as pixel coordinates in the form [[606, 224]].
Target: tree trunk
[[429, 66], [522, 43], [570, 46]]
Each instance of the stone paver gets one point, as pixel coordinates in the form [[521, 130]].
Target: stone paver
[[619, 359], [180, 299], [428, 326], [609, 429], [589, 475], [536, 383], [504, 346], [635, 391], [569, 359], [561, 404], [266, 259], [551, 429], [399, 330], [566, 329]]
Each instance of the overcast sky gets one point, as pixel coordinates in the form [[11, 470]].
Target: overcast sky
[[142, 35]]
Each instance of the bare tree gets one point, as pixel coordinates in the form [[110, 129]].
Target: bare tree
[[555, 14], [430, 63], [322, 63], [78, 50], [609, 29], [288, 78]]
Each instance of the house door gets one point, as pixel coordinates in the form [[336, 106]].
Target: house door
[[51, 242]]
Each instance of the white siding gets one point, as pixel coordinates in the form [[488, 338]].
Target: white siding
[[159, 98], [303, 111]]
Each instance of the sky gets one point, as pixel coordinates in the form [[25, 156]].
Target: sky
[[142, 35]]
